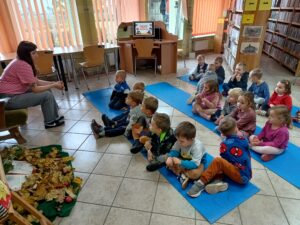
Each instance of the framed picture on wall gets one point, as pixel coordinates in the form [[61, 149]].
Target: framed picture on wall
[[252, 31], [250, 47]]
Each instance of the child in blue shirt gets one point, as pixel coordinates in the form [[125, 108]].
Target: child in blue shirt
[[220, 70], [186, 159], [259, 88], [235, 162], [121, 89]]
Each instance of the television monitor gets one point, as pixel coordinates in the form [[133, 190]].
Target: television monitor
[[143, 29]]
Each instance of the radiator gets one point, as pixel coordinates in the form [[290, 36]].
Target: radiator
[[200, 45]]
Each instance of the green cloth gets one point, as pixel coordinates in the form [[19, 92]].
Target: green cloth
[[52, 209]]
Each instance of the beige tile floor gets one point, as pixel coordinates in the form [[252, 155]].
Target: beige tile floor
[[118, 189]]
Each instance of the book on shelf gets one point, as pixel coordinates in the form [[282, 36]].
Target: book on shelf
[[285, 3]]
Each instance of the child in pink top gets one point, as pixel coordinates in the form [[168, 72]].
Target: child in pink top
[[274, 137], [244, 114], [208, 101]]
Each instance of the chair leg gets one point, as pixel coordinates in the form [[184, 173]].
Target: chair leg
[[83, 72], [183, 56], [107, 74], [58, 78], [155, 65], [15, 133], [135, 66]]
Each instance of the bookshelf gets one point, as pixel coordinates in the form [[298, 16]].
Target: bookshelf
[[220, 35], [247, 21], [282, 40]]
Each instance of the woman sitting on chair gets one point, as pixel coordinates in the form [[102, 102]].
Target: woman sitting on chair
[[19, 82]]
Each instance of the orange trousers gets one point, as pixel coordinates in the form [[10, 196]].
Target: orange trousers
[[218, 168]]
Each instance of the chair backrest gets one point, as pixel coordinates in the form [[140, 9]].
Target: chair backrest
[[94, 55], [44, 62], [144, 47]]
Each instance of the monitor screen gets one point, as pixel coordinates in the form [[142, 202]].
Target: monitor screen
[[143, 29]]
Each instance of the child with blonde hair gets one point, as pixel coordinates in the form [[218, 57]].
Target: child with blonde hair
[[259, 88], [238, 79], [274, 137], [200, 69], [208, 101], [139, 86], [244, 114], [187, 157], [121, 89], [229, 106]]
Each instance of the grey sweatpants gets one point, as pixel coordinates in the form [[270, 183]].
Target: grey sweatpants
[[45, 99]]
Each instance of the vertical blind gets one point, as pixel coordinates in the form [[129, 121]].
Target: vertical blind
[[108, 14], [206, 14], [48, 23]]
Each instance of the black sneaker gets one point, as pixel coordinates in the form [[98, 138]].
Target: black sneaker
[[56, 123], [136, 147], [60, 118], [155, 166], [213, 118], [106, 121]]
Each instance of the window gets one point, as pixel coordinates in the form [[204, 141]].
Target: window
[[48, 23], [170, 12], [109, 14], [206, 14]]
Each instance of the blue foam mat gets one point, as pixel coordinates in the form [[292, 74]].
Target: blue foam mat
[[212, 207], [100, 99], [186, 79], [287, 165]]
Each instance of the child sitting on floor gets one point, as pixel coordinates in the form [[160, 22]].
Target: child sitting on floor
[[140, 129], [259, 88], [274, 137], [139, 86], [244, 114], [121, 89], [209, 75], [161, 141], [120, 124], [229, 106], [200, 69], [220, 70], [208, 101], [235, 162], [238, 79], [281, 96], [187, 157]]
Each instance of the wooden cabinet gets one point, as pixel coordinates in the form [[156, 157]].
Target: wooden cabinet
[[247, 21]]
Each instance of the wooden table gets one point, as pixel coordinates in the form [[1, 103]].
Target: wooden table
[[60, 52]]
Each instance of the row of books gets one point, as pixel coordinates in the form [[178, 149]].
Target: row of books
[[292, 31], [239, 5], [268, 37], [266, 47], [234, 34], [237, 19], [284, 57], [296, 17], [285, 3], [278, 40], [282, 42], [292, 47], [284, 16], [229, 58]]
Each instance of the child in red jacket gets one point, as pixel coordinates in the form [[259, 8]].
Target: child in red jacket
[[281, 96]]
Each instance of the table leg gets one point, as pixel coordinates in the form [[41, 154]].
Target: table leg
[[74, 71], [62, 72], [116, 53], [67, 68]]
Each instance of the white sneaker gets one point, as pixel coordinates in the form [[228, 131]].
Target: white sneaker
[[216, 187]]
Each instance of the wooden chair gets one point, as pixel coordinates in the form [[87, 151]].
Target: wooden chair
[[144, 49], [94, 57], [180, 52], [44, 65], [16, 198], [10, 120]]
